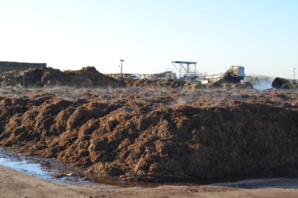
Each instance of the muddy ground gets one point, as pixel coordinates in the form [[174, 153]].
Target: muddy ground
[[156, 135], [15, 184]]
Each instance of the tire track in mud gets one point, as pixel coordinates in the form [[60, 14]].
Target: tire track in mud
[[262, 183]]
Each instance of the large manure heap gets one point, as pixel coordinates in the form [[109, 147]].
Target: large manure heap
[[155, 135], [6, 66], [87, 77]]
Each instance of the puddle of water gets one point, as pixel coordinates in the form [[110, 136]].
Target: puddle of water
[[38, 167], [51, 170], [22, 166]]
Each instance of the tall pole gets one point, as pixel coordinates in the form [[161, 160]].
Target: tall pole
[[121, 60], [24, 80], [294, 73]]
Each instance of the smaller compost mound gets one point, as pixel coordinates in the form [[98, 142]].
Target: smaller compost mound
[[282, 83], [160, 84], [49, 77], [160, 135]]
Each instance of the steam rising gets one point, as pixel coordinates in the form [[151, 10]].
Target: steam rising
[[260, 82]]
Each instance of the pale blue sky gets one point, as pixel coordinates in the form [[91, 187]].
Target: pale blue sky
[[261, 35]]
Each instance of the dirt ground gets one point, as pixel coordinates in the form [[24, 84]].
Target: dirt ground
[[17, 184]]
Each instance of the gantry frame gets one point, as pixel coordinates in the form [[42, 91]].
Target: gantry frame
[[186, 69]]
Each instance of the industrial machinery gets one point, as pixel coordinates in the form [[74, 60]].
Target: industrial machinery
[[234, 75], [187, 70]]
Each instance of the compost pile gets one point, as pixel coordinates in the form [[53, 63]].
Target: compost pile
[[169, 83], [89, 77], [155, 135], [50, 77]]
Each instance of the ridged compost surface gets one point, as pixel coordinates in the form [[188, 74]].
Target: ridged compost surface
[[155, 135]]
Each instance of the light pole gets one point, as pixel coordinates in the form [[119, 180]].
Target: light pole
[[121, 60], [294, 73], [24, 80]]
